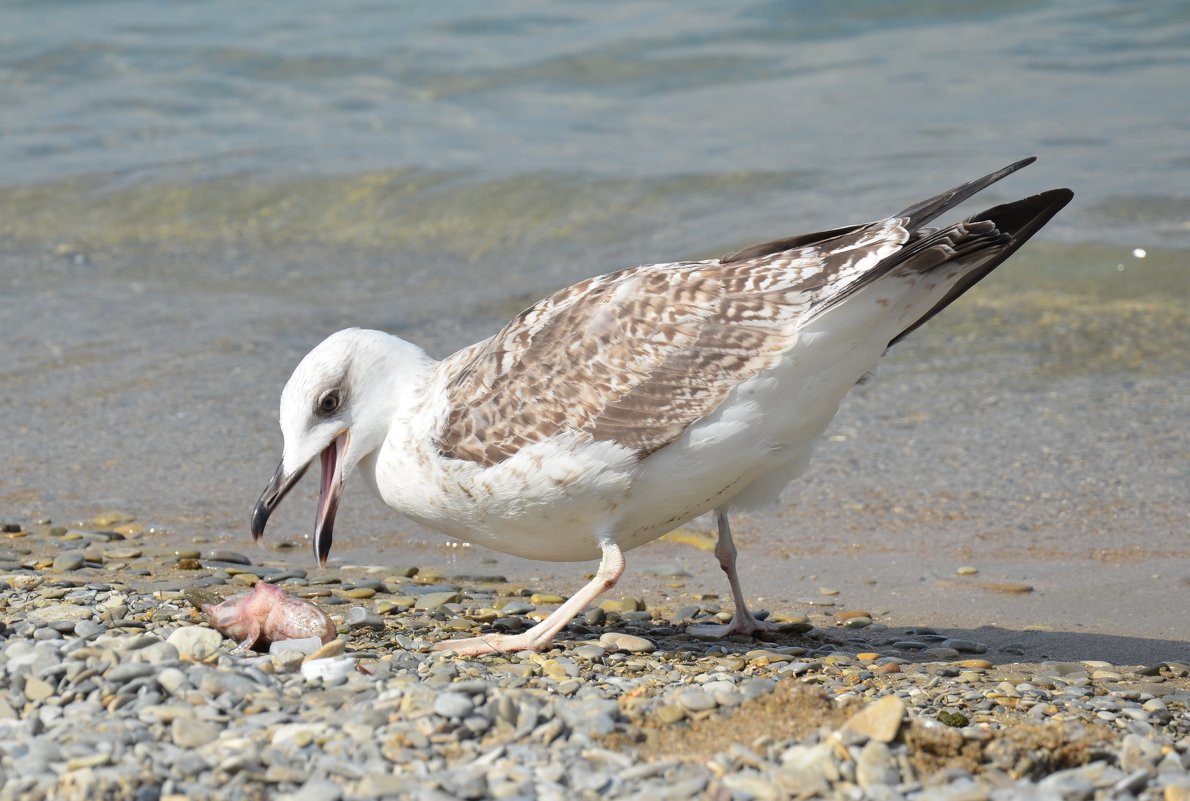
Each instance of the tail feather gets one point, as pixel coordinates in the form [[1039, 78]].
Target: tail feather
[[921, 213], [1015, 222]]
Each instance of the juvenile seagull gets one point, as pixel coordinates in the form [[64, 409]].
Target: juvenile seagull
[[623, 406]]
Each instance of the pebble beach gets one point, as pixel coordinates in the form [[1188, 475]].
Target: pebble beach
[[113, 686]]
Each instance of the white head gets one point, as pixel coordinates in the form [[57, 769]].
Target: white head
[[338, 404]]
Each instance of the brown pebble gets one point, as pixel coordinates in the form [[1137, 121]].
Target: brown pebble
[[879, 720], [332, 648], [1010, 587], [848, 614]]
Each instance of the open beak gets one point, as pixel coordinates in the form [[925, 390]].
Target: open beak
[[331, 488]]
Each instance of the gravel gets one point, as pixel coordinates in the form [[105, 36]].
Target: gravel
[[112, 686]]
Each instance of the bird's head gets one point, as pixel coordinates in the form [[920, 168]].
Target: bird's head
[[337, 406]]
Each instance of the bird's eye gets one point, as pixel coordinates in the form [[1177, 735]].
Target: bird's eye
[[328, 402]]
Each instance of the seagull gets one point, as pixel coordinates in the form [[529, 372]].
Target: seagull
[[623, 406]]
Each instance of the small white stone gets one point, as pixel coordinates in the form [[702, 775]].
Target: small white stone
[[1139, 253], [330, 670]]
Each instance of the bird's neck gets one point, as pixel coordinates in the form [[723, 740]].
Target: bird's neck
[[394, 385]]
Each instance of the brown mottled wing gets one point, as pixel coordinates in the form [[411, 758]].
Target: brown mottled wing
[[636, 356]]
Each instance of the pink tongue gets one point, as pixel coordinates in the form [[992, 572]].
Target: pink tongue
[[329, 454]]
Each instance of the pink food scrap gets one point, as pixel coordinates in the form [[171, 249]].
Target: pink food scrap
[[266, 615]]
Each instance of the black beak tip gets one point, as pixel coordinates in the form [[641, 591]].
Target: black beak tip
[[322, 545], [260, 517], [278, 485]]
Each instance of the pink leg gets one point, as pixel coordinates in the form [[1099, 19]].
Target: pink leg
[[541, 636], [742, 622]]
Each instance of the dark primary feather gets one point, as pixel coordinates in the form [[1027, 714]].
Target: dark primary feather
[[636, 356]]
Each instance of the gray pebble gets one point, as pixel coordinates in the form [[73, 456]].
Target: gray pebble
[[190, 733], [304, 645], [87, 629], [453, 705], [218, 682], [228, 557], [876, 766], [315, 790], [127, 671], [694, 699], [517, 608], [360, 617], [590, 652], [66, 562], [172, 680]]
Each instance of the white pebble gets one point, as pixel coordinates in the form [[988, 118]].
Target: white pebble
[[331, 671]]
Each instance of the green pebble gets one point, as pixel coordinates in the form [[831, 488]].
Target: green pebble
[[955, 719]]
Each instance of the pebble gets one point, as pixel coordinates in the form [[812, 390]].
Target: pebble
[[433, 600], [66, 562], [694, 699], [190, 733], [453, 705], [303, 646], [56, 612], [328, 670], [876, 766], [627, 643], [360, 617], [880, 720], [195, 643], [229, 557]]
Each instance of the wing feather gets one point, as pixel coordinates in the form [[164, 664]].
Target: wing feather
[[636, 356]]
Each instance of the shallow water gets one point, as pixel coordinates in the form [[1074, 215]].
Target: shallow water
[[192, 196]]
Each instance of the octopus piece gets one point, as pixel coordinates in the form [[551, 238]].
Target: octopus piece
[[266, 615]]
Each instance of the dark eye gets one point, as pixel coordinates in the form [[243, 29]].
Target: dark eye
[[328, 402]]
